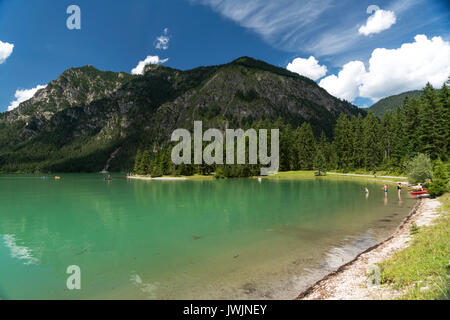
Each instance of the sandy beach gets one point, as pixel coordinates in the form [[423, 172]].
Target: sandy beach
[[160, 178], [350, 281]]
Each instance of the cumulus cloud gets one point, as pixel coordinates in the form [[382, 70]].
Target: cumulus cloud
[[307, 67], [23, 95], [149, 60], [6, 50], [393, 71], [379, 21], [407, 68], [162, 42], [345, 85]]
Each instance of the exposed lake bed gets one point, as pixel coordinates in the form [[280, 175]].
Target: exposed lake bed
[[231, 239]]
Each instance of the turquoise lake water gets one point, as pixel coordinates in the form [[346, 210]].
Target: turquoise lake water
[[231, 239]]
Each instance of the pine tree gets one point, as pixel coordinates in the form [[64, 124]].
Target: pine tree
[[388, 136], [343, 142], [145, 165], [358, 143], [286, 149], [157, 171], [320, 160], [372, 136], [407, 121], [295, 147], [137, 162], [430, 130], [306, 147], [444, 125]]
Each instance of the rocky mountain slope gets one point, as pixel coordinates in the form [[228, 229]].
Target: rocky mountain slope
[[79, 120]]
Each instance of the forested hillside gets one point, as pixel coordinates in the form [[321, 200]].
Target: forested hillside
[[393, 102], [419, 125]]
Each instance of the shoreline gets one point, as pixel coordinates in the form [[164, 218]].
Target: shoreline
[[160, 178], [288, 175], [350, 281]]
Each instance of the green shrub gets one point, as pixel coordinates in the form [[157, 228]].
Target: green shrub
[[420, 169], [440, 171], [437, 188]]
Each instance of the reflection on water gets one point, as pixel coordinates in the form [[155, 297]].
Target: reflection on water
[[18, 252], [233, 239]]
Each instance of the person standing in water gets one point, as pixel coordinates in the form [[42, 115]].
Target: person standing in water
[[367, 193], [399, 189], [385, 191]]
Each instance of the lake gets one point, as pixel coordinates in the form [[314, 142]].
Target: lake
[[224, 239]]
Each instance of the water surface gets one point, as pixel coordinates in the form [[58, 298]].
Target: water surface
[[232, 239]]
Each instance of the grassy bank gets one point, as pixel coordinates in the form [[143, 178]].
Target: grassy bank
[[303, 175], [335, 176], [422, 270], [370, 172], [293, 175]]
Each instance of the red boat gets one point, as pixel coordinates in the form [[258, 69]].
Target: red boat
[[419, 192]]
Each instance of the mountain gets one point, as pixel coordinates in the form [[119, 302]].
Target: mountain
[[87, 118], [392, 102]]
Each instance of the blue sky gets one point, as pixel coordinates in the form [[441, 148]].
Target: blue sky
[[117, 35]]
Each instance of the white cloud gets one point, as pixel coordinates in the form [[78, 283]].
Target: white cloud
[[409, 67], [345, 84], [6, 50], [379, 21], [307, 67], [393, 71], [285, 24], [162, 42], [149, 60], [325, 28], [23, 95]]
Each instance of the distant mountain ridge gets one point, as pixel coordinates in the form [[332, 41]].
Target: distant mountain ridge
[[80, 119], [392, 102]]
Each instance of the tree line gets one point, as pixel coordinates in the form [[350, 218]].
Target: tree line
[[419, 126]]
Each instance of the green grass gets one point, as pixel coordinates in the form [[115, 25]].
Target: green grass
[[293, 175], [311, 175], [379, 173], [422, 270], [199, 177], [297, 175]]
